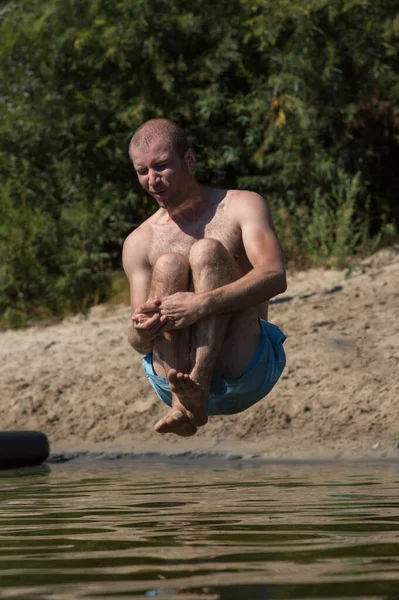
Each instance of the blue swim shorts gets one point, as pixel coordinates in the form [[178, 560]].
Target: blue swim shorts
[[229, 396]]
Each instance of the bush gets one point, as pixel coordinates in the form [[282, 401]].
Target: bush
[[294, 99]]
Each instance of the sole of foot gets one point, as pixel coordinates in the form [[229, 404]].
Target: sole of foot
[[190, 395], [176, 421]]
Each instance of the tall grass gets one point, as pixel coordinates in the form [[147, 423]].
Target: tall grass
[[329, 230]]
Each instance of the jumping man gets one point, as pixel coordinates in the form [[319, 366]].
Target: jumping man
[[201, 271]]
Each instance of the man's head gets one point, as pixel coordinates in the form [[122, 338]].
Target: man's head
[[163, 160], [157, 130]]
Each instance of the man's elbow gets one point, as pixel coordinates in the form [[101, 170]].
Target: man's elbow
[[131, 336], [283, 282], [280, 282], [139, 347], [137, 344]]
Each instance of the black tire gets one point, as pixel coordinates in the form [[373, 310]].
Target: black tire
[[22, 448]]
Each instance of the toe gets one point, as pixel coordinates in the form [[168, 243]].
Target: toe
[[172, 376]]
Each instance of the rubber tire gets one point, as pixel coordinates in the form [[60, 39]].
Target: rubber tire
[[22, 448]]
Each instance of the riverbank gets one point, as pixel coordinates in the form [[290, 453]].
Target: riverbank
[[80, 383]]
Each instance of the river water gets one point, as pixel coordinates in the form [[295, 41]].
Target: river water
[[207, 528]]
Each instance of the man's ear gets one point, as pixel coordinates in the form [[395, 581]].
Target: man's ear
[[190, 159]]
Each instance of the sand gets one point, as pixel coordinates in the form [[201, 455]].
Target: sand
[[79, 381]]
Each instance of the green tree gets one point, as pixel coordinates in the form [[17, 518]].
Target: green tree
[[295, 99]]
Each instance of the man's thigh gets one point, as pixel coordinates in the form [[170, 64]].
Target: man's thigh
[[239, 345]]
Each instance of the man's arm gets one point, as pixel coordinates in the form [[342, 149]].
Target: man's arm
[[144, 328], [267, 278]]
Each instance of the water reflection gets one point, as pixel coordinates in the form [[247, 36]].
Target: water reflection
[[209, 529]]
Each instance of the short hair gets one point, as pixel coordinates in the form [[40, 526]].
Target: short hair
[[163, 129]]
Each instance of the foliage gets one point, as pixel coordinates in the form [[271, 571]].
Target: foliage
[[327, 230], [296, 99]]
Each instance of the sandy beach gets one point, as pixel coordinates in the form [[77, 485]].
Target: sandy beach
[[79, 381]]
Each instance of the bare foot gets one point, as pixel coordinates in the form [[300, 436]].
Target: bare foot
[[176, 421], [188, 406], [190, 395]]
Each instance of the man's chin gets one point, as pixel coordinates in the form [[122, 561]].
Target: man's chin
[[159, 198]]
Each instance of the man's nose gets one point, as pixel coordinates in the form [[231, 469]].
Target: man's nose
[[153, 176]]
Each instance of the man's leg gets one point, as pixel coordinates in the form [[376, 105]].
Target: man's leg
[[225, 343], [211, 266], [171, 350]]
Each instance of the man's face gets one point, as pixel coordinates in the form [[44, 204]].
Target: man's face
[[161, 172]]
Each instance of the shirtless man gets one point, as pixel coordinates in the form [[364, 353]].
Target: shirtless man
[[201, 271]]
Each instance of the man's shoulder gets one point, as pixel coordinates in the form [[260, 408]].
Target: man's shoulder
[[236, 196], [244, 202], [137, 238], [136, 248], [142, 233]]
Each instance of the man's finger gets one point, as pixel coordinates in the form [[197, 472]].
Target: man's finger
[[148, 323], [148, 307], [137, 317]]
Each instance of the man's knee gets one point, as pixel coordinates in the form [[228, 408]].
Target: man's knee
[[171, 265], [208, 252]]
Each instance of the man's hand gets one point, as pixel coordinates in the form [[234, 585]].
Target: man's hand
[[177, 311], [182, 308], [148, 321]]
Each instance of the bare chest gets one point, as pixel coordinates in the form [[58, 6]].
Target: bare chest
[[171, 238]]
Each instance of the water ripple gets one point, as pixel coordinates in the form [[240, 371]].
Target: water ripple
[[208, 529]]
